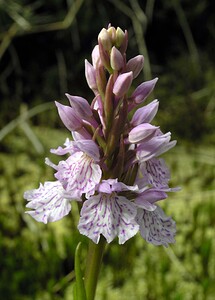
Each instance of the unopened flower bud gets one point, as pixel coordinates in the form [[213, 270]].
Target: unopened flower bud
[[120, 36], [105, 57], [135, 65], [143, 90], [122, 84], [69, 117], [96, 57], [124, 43], [105, 39], [90, 75], [81, 106], [116, 59], [112, 34]]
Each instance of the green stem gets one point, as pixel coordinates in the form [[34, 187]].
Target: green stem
[[94, 260]]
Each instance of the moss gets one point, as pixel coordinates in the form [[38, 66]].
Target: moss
[[37, 260]]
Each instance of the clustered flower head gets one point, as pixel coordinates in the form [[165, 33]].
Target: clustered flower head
[[112, 166]]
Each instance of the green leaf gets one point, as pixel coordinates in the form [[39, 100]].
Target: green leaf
[[79, 292]]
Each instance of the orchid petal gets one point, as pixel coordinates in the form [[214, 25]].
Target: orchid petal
[[112, 185], [135, 65], [141, 132], [147, 198], [86, 146], [145, 204], [70, 148], [154, 147], [122, 84], [89, 147], [156, 172], [81, 134], [145, 114], [116, 59], [79, 174], [50, 202], [155, 227], [81, 106], [143, 90], [68, 116], [90, 74], [96, 59], [109, 215]]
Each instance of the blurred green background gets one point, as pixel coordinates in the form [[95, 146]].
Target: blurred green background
[[42, 52]]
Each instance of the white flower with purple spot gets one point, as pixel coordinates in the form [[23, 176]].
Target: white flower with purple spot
[[80, 172], [50, 202], [109, 214]]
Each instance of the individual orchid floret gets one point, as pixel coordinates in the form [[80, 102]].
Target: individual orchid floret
[[135, 65], [80, 172], [122, 84], [141, 133], [116, 59], [49, 203], [108, 214], [145, 114], [69, 117], [155, 227], [143, 90]]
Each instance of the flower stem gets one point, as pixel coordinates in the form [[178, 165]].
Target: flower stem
[[94, 260]]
